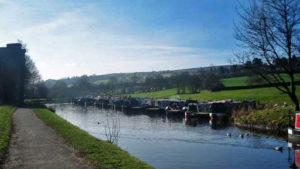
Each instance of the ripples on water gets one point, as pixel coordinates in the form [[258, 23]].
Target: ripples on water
[[170, 143]]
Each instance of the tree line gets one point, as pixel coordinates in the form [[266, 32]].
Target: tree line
[[184, 82]]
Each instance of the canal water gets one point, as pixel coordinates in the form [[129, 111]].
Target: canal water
[[171, 143]]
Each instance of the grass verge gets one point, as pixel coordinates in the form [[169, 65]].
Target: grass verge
[[5, 128], [267, 95], [100, 153]]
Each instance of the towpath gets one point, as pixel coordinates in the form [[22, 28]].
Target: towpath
[[35, 145]]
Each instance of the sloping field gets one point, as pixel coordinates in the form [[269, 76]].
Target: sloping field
[[242, 81], [268, 95]]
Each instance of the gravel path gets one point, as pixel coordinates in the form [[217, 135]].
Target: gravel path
[[35, 145]]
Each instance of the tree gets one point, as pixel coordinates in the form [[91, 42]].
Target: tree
[[112, 84], [59, 90], [32, 75], [41, 90], [82, 86], [195, 83], [269, 30], [212, 81], [134, 79], [181, 81]]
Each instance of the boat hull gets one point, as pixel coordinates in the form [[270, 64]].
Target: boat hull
[[136, 108], [293, 135], [218, 116], [174, 112], [153, 109], [202, 115]]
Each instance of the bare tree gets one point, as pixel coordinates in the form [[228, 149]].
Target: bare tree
[[32, 75], [269, 30], [112, 129], [112, 84]]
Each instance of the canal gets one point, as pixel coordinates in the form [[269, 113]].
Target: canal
[[171, 143]]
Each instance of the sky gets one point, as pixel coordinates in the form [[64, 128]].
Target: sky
[[68, 38]]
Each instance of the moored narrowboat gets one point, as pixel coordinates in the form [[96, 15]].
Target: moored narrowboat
[[194, 112], [294, 132], [153, 106], [175, 108]]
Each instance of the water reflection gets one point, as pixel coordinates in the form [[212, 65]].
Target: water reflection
[[173, 142], [294, 155]]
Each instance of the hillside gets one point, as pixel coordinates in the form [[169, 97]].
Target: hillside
[[225, 70]]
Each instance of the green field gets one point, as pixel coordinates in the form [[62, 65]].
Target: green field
[[263, 95], [235, 81], [5, 128], [102, 154], [242, 81]]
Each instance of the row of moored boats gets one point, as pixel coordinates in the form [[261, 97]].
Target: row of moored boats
[[170, 107]]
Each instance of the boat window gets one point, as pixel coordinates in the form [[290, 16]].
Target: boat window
[[193, 108]]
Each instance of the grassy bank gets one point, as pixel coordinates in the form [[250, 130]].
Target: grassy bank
[[101, 153], [5, 128], [263, 95], [276, 118]]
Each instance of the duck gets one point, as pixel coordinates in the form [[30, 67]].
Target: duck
[[278, 148], [241, 136], [228, 134]]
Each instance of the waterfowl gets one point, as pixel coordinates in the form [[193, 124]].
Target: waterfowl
[[278, 148]]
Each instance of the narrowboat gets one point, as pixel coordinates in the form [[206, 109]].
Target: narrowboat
[[153, 106], [294, 132], [175, 108], [193, 111], [136, 104], [220, 110]]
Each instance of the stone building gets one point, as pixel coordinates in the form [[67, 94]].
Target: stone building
[[12, 74]]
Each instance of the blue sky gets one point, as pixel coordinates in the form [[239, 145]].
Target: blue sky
[[75, 37]]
